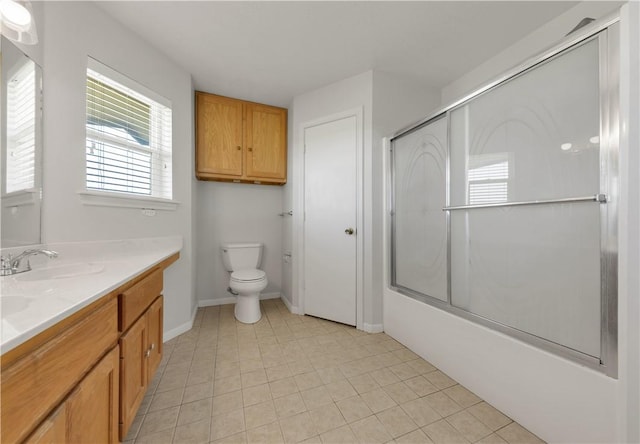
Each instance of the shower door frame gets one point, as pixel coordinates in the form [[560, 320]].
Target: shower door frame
[[606, 31]]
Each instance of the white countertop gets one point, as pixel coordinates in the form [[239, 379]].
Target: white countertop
[[29, 306]]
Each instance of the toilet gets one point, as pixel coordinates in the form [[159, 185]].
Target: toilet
[[246, 281]]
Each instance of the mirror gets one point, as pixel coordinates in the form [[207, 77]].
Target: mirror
[[21, 159]]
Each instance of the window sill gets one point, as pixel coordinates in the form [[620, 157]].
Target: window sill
[[105, 199], [21, 198]]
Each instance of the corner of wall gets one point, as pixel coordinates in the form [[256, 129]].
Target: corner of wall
[[543, 37]]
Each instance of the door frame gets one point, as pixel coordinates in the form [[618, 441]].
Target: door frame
[[358, 113]]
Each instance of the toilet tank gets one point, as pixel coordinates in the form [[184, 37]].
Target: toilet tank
[[239, 256]]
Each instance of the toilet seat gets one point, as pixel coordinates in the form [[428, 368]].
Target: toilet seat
[[248, 275]]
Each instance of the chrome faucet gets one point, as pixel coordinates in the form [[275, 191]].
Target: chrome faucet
[[13, 265]]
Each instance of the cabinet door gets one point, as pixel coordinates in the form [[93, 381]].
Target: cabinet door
[[154, 317], [133, 372], [218, 136], [92, 409], [35, 384], [52, 430], [266, 142]]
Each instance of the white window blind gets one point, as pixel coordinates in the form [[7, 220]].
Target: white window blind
[[21, 129], [129, 136]]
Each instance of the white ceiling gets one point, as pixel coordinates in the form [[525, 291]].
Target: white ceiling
[[271, 51]]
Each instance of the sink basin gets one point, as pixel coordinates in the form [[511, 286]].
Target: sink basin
[[61, 272], [13, 304]]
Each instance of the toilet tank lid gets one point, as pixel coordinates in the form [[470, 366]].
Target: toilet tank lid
[[231, 245]]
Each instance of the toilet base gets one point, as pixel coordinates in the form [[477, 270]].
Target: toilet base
[[247, 309]]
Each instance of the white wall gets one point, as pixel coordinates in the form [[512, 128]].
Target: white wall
[[347, 94], [36, 52], [542, 38], [397, 103], [389, 102], [235, 212], [73, 31], [559, 400]]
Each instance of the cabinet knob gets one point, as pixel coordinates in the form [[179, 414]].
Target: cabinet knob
[[238, 147], [148, 353], [250, 149], [152, 346]]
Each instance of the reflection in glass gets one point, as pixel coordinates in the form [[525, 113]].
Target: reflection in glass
[[21, 127], [21, 147], [488, 178], [531, 138]]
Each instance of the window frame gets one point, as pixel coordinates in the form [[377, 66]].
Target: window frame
[[113, 198]]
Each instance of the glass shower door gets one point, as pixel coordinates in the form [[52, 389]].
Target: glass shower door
[[419, 224], [525, 216]]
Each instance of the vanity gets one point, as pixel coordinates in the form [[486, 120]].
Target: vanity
[[82, 329], [82, 339]]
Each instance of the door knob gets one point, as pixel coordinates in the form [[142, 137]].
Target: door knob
[[349, 231]]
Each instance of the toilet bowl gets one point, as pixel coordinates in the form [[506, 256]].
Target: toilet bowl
[[246, 280], [247, 285]]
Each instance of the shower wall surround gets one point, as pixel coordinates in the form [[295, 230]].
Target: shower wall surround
[[504, 204]]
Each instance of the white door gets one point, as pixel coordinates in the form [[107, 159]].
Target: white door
[[330, 196]]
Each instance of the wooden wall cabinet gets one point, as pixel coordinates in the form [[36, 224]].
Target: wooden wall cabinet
[[238, 141]]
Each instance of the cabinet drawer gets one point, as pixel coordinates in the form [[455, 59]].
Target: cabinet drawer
[[35, 384], [134, 301]]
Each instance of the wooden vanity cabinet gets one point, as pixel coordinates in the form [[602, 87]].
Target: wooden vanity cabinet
[[141, 312], [155, 315], [93, 406], [59, 369], [82, 379], [53, 429], [239, 141], [88, 414]]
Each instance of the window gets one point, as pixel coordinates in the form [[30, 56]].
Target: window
[[128, 142], [21, 129]]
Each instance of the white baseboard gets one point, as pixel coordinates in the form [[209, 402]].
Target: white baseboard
[[212, 302], [170, 334], [232, 300], [373, 328], [274, 295], [292, 308]]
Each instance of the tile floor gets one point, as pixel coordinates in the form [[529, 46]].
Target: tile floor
[[291, 378]]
